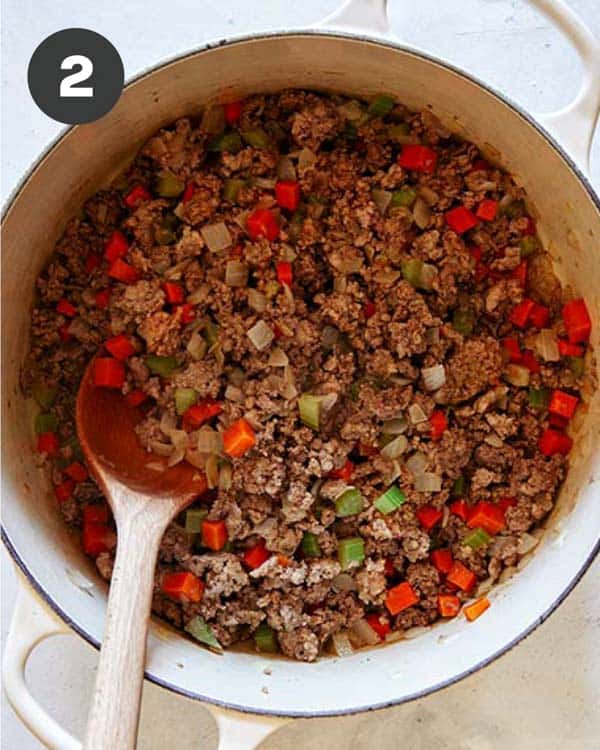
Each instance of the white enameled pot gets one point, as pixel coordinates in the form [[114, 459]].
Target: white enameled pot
[[68, 592]]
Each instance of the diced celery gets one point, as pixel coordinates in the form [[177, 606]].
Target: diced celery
[[310, 410], [402, 128], [459, 486], [310, 545], [230, 142], [411, 271], [44, 395], [166, 232], [211, 333], [539, 398], [231, 189], [381, 105], [193, 520], [265, 639], [350, 551], [228, 546], [577, 366], [162, 366], [169, 185], [404, 197], [529, 245], [184, 398], [276, 131], [199, 629], [463, 321], [390, 501], [256, 138], [515, 209], [45, 423], [354, 388], [349, 132], [349, 503], [476, 538]]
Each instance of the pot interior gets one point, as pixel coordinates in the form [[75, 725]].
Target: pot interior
[[89, 156]]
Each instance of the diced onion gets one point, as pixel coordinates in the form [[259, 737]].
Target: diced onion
[[236, 273], [306, 159], [341, 644], [428, 482], [266, 527], [288, 253], [417, 463], [365, 632], [257, 300], [197, 346], [168, 423], [328, 401], [216, 236], [433, 335], [546, 345], [416, 414], [493, 440], [395, 426], [421, 213], [429, 196], [353, 111], [278, 358], [517, 375], [340, 283], [382, 199], [233, 393], [261, 335], [176, 457], [208, 441], [527, 542], [161, 449], [266, 183], [486, 585], [395, 448], [286, 169], [212, 471], [240, 220], [213, 119], [196, 459], [507, 574], [434, 377], [343, 582], [428, 275], [199, 295], [225, 474]]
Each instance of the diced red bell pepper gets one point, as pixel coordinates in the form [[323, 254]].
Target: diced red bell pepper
[[505, 503], [486, 516], [521, 312], [122, 271], [287, 194], [137, 397], [214, 534], [183, 587], [64, 307], [173, 292], [439, 423], [529, 361], [262, 223], [236, 251], [98, 538], [577, 321], [77, 471], [418, 158], [116, 246], [460, 219], [344, 472], [201, 412], [284, 273], [238, 438], [429, 516], [108, 372], [102, 298], [487, 209], [92, 262], [529, 228], [120, 347], [95, 514], [233, 110], [480, 165], [189, 191], [567, 349], [460, 509], [64, 333], [255, 556], [539, 316], [64, 490], [473, 611], [47, 443], [448, 605], [477, 253], [442, 560], [512, 349], [369, 310], [555, 420], [188, 313], [520, 273], [563, 404], [552, 441], [400, 597], [389, 569], [379, 624], [137, 195], [461, 577]]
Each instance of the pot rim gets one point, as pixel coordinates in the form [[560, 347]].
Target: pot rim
[[516, 109]]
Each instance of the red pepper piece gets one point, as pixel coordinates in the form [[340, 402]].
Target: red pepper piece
[[389, 568], [98, 538], [173, 292], [477, 253], [379, 624], [64, 490], [529, 361], [539, 316], [418, 158], [137, 397], [429, 516], [77, 472], [137, 195], [287, 194], [448, 605], [262, 223], [512, 349], [521, 312], [188, 313], [92, 262], [122, 271], [47, 443], [116, 246], [520, 273], [108, 372], [189, 191], [214, 534], [562, 404], [400, 598], [552, 441], [255, 556], [577, 321], [64, 333], [233, 110], [120, 347], [487, 516], [461, 577], [442, 560], [439, 424], [201, 412], [64, 307], [183, 587], [369, 310], [460, 509], [95, 514], [239, 438], [555, 420], [284, 273], [102, 298], [505, 503], [236, 251], [567, 349], [345, 472], [480, 165], [487, 209], [460, 219]]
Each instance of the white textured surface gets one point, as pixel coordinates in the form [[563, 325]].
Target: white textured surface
[[543, 694]]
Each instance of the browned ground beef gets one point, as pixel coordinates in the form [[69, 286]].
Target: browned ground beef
[[358, 325]]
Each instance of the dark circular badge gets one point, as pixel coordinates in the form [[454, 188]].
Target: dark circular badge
[[75, 76]]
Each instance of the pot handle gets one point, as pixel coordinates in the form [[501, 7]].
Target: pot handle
[[573, 125], [32, 622]]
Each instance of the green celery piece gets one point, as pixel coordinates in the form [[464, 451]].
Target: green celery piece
[[193, 520], [402, 128], [256, 138], [529, 245], [162, 366], [211, 333], [476, 538], [199, 629], [275, 131], [169, 185], [45, 423], [381, 105], [354, 391], [310, 410], [228, 546], [44, 395], [390, 501], [463, 321], [265, 639], [459, 486], [184, 398], [577, 366], [539, 398], [231, 189], [412, 270], [310, 545], [350, 133], [405, 197], [349, 503], [351, 550], [230, 142], [515, 209]]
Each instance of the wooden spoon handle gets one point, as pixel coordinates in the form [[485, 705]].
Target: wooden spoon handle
[[114, 714]]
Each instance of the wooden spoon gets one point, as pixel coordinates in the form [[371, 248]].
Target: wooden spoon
[[144, 501]]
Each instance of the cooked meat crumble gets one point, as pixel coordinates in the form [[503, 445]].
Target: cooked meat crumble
[[343, 314]]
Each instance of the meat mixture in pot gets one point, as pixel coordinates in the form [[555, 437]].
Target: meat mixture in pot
[[343, 315]]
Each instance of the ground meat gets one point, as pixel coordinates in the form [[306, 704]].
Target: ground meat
[[472, 368], [161, 332]]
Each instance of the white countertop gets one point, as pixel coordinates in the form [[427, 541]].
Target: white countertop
[[545, 693]]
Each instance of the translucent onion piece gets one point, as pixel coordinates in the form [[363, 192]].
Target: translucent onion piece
[[421, 213], [494, 440], [225, 474], [196, 459], [241, 218], [257, 300], [216, 236], [433, 335], [507, 574], [306, 159], [428, 482], [286, 169], [546, 344], [288, 253], [328, 401], [261, 335], [213, 119], [527, 542], [416, 414], [382, 199], [233, 393], [417, 463], [266, 183], [199, 295], [278, 358], [365, 632], [353, 111], [176, 457], [486, 585], [434, 377], [340, 283], [343, 582], [208, 441], [428, 275], [197, 347], [168, 423], [266, 527], [212, 471], [429, 196], [395, 448], [517, 375], [179, 438], [236, 273], [395, 426], [341, 644], [161, 449]]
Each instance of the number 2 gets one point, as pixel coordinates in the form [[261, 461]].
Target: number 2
[[68, 84]]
